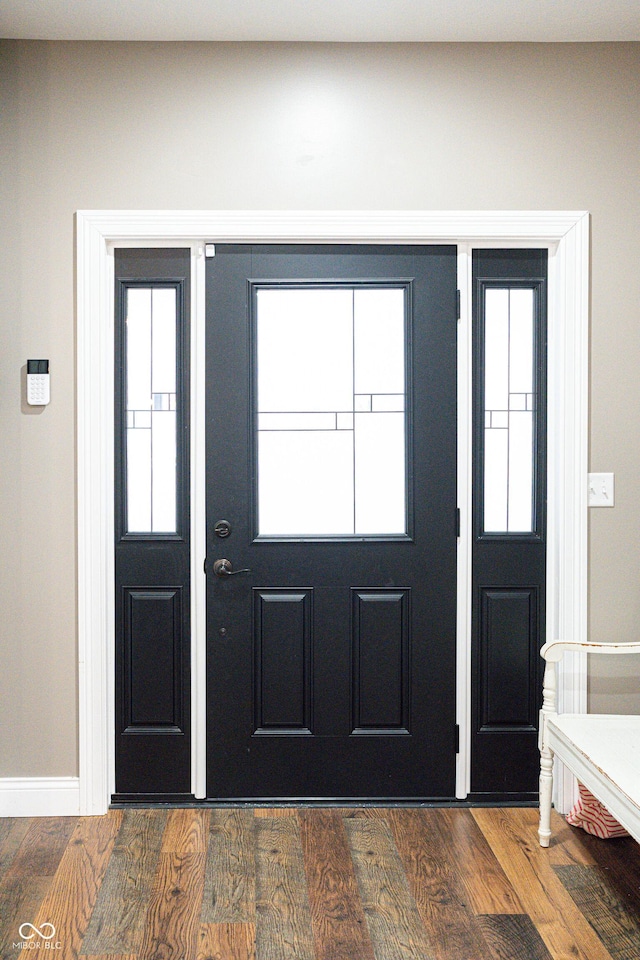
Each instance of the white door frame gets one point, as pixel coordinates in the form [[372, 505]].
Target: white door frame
[[565, 234]]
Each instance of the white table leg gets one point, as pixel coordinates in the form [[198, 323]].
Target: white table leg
[[546, 789]]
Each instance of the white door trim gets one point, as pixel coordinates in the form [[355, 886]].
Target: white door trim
[[566, 234]]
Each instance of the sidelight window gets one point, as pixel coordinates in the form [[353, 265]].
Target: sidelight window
[[151, 409], [509, 410]]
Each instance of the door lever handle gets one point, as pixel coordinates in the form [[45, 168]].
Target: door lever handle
[[224, 568]]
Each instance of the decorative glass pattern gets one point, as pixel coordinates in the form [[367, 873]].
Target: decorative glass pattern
[[330, 411], [151, 410], [509, 410]]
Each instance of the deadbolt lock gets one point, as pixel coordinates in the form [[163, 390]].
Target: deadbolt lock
[[222, 529]]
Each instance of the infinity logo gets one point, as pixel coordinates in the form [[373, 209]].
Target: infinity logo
[[40, 933]]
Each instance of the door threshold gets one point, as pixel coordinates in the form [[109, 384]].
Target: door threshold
[[443, 802]]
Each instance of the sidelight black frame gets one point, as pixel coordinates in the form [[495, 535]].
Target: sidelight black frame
[[153, 752], [509, 567], [539, 459], [181, 286]]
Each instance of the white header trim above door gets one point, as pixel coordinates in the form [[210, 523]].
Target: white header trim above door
[[566, 234]]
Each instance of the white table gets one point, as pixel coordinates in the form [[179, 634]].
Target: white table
[[602, 750]]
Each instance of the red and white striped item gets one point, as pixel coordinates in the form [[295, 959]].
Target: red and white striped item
[[589, 814]]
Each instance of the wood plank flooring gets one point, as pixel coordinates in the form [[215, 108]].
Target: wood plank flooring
[[315, 884]]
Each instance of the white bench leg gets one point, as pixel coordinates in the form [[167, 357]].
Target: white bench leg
[[546, 789], [546, 755]]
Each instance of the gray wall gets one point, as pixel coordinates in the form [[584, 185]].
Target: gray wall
[[284, 126]]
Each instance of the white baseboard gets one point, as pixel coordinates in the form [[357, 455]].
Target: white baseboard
[[39, 797]]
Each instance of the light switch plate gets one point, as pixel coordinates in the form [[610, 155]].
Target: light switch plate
[[601, 490]]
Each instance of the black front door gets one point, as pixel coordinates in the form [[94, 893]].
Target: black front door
[[331, 522]]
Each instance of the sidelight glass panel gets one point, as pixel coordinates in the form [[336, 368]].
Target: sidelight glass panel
[[520, 471], [381, 402], [496, 351], [163, 471], [509, 397], [138, 348], [163, 360], [139, 479], [521, 342], [151, 409], [331, 446], [496, 474]]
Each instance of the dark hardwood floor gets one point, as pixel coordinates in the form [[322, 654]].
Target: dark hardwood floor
[[315, 884]]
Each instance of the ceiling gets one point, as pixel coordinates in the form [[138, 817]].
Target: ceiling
[[322, 20]]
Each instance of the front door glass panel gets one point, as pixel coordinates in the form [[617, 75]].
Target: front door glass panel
[[330, 407]]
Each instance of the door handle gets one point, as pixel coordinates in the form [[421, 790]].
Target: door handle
[[224, 568]]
